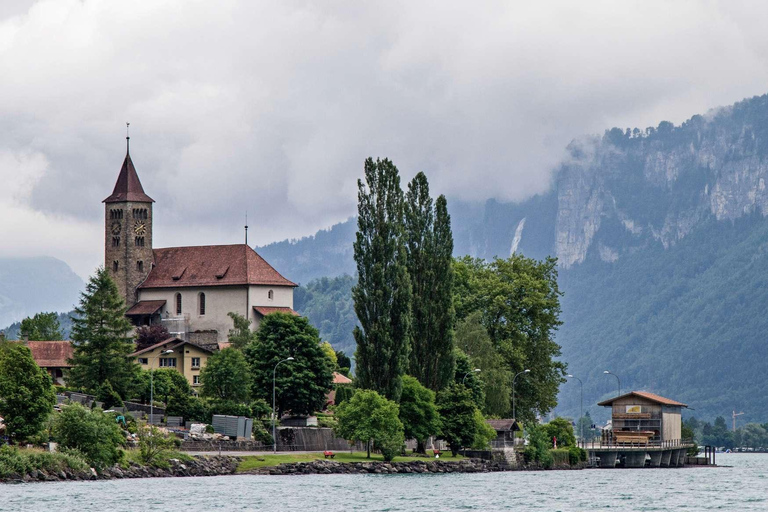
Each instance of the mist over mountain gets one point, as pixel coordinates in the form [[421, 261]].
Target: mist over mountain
[[662, 241]]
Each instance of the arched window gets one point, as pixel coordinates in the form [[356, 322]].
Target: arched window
[[140, 266], [202, 303], [115, 266], [178, 304], [139, 242], [270, 295], [115, 241]]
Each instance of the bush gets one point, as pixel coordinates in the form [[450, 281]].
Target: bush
[[154, 444], [229, 408], [94, 434], [260, 409], [108, 396], [343, 393], [561, 429], [209, 429], [560, 457], [576, 455], [18, 462], [538, 449], [261, 433]]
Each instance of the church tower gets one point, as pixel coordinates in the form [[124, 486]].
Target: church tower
[[128, 231]]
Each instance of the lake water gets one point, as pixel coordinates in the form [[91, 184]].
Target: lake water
[[744, 486]]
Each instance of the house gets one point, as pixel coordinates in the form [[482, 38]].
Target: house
[[185, 357], [338, 379], [53, 357], [192, 289], [639, 416], [505, 433]]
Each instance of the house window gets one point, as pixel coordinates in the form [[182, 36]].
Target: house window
[[178, 303], [195, 380], [195, 362], [167, 362], [115, 241], [143, 360], [202, 303], [139, 241], [140, 266], [270, 294], [115, 266]]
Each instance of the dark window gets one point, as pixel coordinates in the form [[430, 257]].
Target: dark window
[[139, 241], [195, 362], [178, 303], [271, 295], [143, 360], [168, 362], [115, 266], [140, 266], [195, 380], [202, 303], [115, 241]]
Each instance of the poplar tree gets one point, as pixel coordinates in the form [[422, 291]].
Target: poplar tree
[[429, 245], [102, 340], [383, 292]]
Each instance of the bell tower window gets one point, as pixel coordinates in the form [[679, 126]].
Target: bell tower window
[[178, 304], [140, 266], [115, 241], [115, 266], [139, 241]]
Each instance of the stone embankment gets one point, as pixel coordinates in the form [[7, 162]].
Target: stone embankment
[[327, 467], [198, 466]]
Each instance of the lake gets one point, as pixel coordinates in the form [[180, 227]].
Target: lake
[[744, 486]]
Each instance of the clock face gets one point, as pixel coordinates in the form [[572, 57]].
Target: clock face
[[139, 228], [116, 228]]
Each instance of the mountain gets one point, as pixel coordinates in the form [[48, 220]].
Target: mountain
[[662, 241], [34, 285]]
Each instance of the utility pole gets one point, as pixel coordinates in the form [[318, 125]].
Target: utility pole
[[734, 419]]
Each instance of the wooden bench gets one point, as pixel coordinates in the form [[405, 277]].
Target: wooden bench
[[436, 452], [328, 455]]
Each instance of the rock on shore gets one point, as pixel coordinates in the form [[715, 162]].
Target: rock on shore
[[326, 467]]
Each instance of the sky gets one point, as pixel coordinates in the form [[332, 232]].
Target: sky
[[272, 107]]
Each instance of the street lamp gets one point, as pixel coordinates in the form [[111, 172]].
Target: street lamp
[[514, 417], [274, 413], [617, 378], [581, 423], [152, 388], [473, 371]]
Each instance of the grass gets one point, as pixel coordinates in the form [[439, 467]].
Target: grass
[[133, 455], [264, 461], [20, 461]]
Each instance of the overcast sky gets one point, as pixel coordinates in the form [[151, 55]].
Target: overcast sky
[[271, 107]]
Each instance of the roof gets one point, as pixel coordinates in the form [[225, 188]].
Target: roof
[[341, 379], [211, 265], [503, 425], [51, 354], [648, 396], [128, 187], [172, 344], [145, 307], [266, 310]]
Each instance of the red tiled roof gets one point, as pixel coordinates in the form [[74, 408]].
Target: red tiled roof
[[266, 310], [172, 344], [341, 379], [648, 396], [128, 187], [211, 265], [51, 354], [145, 307]]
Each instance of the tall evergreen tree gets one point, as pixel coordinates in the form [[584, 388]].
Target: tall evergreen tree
[[429, 244], [383, 293], [101, 336]]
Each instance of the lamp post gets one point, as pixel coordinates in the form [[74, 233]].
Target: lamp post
[[581, 424], [514, 416], [274, 413], [152, 387], [617, 378], [476, 370]]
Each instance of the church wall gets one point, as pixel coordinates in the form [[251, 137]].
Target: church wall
[[219, 301], [258, 295]]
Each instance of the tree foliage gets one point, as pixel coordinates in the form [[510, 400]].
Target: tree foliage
[[301, 385], [561, 429], [101, 338], [418, 412], [225, 376], [457, 414], [519, 301], [154, 443], [26, 394], [42, 327], [148, 335], [429, 250], [168, 384], [94, 434], [369, 417], [240, 335], [383, 292], [327, 303]]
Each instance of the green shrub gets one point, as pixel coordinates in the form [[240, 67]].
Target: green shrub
[[209, 429], [560, 456], [576, 455], [538, 449], [261, 433], [230, 408], [326, 422], [18, 462], [95, 434], [154, 445]]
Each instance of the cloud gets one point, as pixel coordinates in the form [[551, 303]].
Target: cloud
[[271, 107]]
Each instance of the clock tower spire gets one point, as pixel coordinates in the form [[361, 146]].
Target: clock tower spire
[[128, 231]]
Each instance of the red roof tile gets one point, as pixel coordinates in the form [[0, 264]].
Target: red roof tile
[[51, 354], [648, 396], [172, 344], [266, 310], [145, 307], [128, 187], [211, 265], [341, 379]]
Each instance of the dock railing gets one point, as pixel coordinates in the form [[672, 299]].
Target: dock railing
[[612, 444]]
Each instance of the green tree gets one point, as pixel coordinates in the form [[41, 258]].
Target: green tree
[[429, 249], [330, 354], [42, 327], [301, 385], [26, 394], [344, 363], [457, 414], [520, 304], [154, 443], [484, 433], [561, 429], [241, 335], [369, 417], [168, 384], [383, 292], [226, 376], [108, 396], [94, 434], [472, 338], [418, 412], [539, 445], [101, 338]]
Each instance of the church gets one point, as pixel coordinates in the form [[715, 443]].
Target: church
[[190, 290]]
